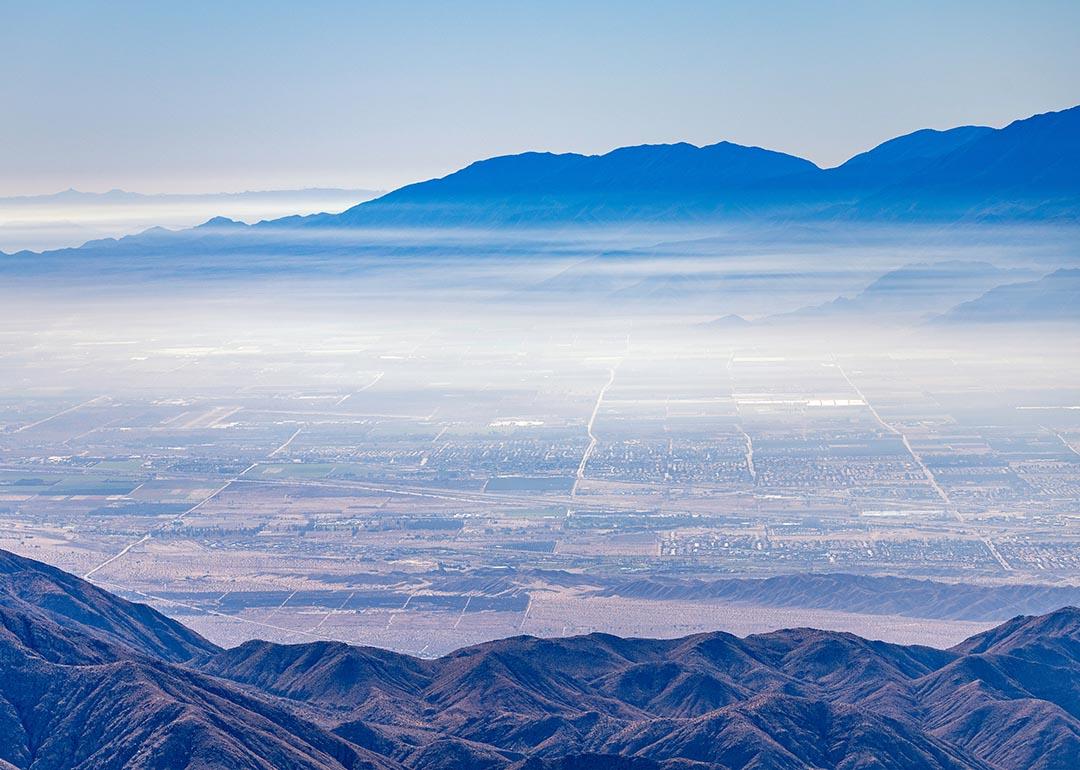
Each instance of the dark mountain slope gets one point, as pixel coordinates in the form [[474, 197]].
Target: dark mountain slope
[[140, 713], [1052, 638], [608, 762], [1012, 693], [331, 675], [28, 586], [77, 692], [782, 731], [786, 699]]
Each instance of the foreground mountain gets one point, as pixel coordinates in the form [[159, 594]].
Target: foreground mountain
[[36, 591], [91, 681]]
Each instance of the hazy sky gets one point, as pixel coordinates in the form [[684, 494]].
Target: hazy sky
[[201, 96]]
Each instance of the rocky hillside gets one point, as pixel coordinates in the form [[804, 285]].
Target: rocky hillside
[[92, 681]]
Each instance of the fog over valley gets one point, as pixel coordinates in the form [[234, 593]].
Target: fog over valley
[[673, 457]]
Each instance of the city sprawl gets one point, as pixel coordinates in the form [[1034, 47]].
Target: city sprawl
[[405, 489]]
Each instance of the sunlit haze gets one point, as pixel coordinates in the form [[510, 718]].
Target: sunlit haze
[[540, 386]]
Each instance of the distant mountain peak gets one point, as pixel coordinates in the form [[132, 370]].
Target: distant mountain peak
[[220, 222]]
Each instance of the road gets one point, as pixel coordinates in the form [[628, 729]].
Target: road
[[907, 445], [69, 410], [589, 429]]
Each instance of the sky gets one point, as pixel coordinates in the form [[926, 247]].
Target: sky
[[228, 96]]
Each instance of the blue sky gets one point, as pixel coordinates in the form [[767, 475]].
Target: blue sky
[[198, 96]]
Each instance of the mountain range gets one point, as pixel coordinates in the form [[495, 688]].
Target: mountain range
[[1029, 169], [72, 217], [943, 202], [91, 681]]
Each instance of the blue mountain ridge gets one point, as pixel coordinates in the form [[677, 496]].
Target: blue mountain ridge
[[1026, 171], [1029, 169]]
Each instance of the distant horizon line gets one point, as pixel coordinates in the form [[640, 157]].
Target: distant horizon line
[[381, 189], [204, 194]]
